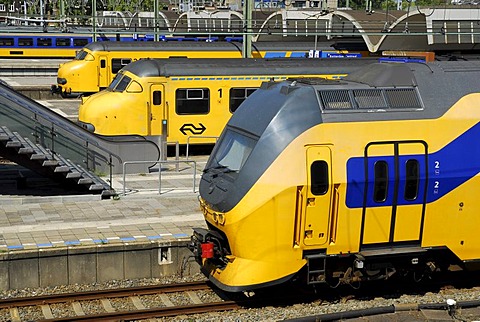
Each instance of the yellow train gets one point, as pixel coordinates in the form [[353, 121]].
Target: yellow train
[[190, 99], [339, 182], [95, 66]]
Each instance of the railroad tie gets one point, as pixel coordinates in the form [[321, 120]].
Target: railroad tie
[[107, 305], [137, 303], [77, 307], [166, 300], [194, 297], [47, 313], [14, 316]]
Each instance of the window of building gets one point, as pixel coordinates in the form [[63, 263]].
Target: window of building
[[319, 177], [192, 101], [412, 180], [380, 185], [2, 7], [238, 95]]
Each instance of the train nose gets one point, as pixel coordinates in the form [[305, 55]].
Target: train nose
[[61, 81]]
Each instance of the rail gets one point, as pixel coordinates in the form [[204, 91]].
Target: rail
[[126, 163], [198, 137]]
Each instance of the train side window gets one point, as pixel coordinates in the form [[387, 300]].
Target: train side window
[[80, 42], [44, 42], [238, 95], [380, 185], [134, 87], [62, 42], [119, 63], [319, 179], [412, 180], [192, 101], [25, 42], [4, 41], [157, 97]]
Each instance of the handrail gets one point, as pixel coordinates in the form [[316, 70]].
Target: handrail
[[198, 137], [124, 168]]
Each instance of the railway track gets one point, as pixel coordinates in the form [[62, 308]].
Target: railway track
[[74, 304]]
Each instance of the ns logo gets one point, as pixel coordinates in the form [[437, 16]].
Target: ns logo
[[194, 130]]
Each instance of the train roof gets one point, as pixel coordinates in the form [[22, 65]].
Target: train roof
[[170, 67], [202, 46], [380, 91]]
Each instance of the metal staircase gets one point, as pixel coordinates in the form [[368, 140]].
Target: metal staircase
[[37, 138], [24, 152]]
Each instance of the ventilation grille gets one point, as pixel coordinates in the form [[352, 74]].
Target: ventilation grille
[[370, 99]]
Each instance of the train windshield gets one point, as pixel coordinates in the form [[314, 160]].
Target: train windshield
[[115, 81], [119, 83], [233, 150], [83, 55]]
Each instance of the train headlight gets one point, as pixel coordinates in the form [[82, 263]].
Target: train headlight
[[219, 218]]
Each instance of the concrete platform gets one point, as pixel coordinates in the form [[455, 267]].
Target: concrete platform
[[64, 239]]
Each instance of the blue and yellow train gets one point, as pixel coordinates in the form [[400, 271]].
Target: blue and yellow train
[[343, 181], [30, 42]]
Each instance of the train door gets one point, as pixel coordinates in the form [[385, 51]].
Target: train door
[[103, 79], [394, 204], [319, 194], [156, 114]]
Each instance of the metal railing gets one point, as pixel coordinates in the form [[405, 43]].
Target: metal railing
[[198, 137], [125, 164]]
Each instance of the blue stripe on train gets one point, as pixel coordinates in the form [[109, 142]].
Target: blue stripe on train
[[448, 168]]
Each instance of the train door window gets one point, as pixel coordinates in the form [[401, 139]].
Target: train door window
[[192, 101], [380, 185], [157, 97], [103, 63], [44, 42], [238, 95], [80, 42], [119, 63], [5, 41], [25, 42], [62, 42], [412, 172], [319, 177]]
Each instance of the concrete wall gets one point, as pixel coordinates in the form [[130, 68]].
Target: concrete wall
[[94, 264]]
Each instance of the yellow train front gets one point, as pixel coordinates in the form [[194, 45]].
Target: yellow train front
[[190, 100], [340, 182]]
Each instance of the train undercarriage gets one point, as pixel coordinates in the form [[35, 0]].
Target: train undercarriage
[[376, 263]]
